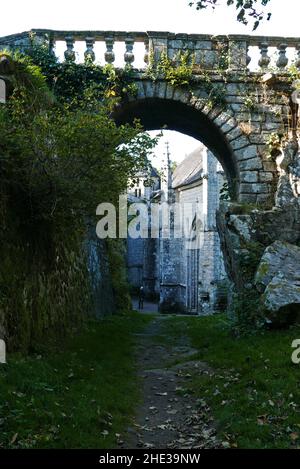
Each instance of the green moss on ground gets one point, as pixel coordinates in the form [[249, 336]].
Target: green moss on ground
[[254, 390], [77, 397]]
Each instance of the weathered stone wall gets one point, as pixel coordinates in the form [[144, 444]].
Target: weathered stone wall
[[191, 272], [254, 240], [135, 261], [236, 134], [235, 126], [100, 278]]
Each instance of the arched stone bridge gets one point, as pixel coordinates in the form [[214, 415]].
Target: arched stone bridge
[[255, 111], [257, 104]]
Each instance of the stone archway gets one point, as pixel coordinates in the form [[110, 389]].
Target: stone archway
[[159, 105], [252, 177], [155, 113]]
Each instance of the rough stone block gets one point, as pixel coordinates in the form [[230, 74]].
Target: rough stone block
[[169, 91], [259, 139], [247, 198], [206, 45], [141, 90], [278, 276], [249, 176], [222, 119], [149, 88], [250, 117], [246, 153], [239, 143], [266, 176], [234, 133], [269, 165], [255, 188], [161, 90], [229, 125], [271, 126]]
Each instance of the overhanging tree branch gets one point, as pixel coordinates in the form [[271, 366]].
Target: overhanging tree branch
[[247, 10]]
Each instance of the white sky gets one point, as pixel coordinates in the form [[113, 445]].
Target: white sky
[[143, 15], [140, 15]]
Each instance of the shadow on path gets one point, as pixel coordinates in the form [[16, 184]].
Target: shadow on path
[[169, 416]]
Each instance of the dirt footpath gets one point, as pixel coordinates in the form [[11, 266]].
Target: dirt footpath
[[169, 417]]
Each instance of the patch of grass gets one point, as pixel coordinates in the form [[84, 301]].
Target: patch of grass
[[254, 388], [78, 397]]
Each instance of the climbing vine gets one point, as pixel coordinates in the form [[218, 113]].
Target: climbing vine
[[179, 72], [73, 82], [61, 155]]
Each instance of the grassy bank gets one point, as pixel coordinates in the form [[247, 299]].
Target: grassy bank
[[78, 397], [253, 387]]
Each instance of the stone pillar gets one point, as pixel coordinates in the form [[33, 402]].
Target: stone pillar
[[211, 269], [158, 43], [238, 58]]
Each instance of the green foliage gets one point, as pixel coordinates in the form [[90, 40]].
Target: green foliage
[[251, 385], [76, 394], [58, 160], [294, 75], [121, 288], [30, 90], [247, 313], [216, 93], [224, 192], [178, 71], [73, 82], [223, 56], [250, 103], [274, 144], [250, 256], [42, 301], [246, 9]]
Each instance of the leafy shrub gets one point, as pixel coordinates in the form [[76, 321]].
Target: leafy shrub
[[247, 313], [58, 160]]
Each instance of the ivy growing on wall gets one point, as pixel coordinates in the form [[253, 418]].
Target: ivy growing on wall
[[74, 82], [179, 72], [60, 156]]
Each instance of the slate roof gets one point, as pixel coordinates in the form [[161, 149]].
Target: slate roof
[[154, 172], [189, 170]]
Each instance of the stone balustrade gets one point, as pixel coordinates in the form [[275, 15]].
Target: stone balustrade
[[238, 132], [234, 52]]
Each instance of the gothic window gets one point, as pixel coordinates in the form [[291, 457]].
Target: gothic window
[[2, 91]]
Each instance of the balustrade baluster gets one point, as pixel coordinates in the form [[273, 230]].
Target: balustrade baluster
[[89, 55], [146, 56], [109, 54], [282, 58], [70, 53], [248, 57], [129, 56], [264, 60]]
